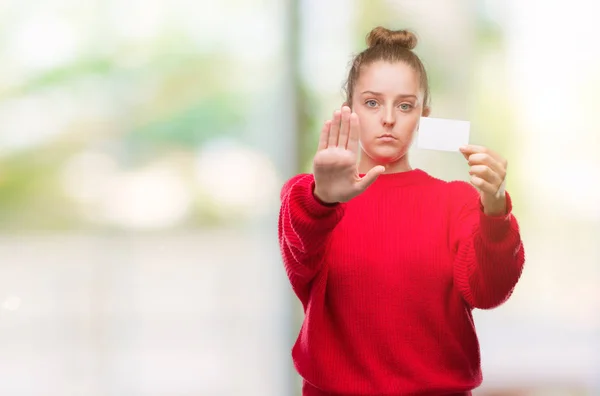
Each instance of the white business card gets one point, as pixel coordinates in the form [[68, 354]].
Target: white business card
[[442, 134]]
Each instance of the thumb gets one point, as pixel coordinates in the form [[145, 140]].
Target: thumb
[[463, 150], [370, 177]]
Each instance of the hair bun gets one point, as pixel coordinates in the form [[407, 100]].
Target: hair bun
[[383, 36]]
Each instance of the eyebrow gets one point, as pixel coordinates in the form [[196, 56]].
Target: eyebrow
[[398, 96]]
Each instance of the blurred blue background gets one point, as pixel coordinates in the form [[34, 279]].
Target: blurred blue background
[[143, 145]]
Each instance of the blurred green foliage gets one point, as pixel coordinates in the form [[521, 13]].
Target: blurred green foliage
[[166, 96]]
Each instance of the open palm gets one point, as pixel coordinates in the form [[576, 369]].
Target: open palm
[[335, 163]]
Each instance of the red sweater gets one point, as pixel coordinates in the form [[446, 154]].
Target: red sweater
[[388, 282]]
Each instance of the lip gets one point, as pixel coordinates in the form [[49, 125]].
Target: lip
[[387, 137]]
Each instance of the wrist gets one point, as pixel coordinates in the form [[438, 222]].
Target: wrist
[[495, 206], [321, 198]]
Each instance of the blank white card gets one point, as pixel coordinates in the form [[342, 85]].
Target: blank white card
[[442, 134]]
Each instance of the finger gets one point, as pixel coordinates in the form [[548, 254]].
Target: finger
[[370, 177], [344, 127], [470, 149], [484, 172], [354, 133], [489, 161], [334, 131], [483, 185], [324, 138]]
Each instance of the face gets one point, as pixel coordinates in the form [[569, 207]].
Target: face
[[388, 100]]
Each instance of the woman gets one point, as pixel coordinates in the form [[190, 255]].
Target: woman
[[388, 261]]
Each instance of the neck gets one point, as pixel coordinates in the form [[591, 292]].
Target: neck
[[366, 163]]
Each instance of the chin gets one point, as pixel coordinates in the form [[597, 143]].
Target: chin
[[386, 157], [387, 161]]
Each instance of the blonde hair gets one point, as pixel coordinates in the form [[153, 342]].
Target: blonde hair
[[391, 46]]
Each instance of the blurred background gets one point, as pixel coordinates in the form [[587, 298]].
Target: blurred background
[[143, 145]]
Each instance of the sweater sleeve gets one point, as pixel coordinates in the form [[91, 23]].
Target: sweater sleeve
[[305, 225], [489, 255]]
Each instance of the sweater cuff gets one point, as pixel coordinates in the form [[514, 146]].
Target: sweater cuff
[[496, 228], [315, 207]]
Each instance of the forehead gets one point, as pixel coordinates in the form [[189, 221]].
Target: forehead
[[388, 78]]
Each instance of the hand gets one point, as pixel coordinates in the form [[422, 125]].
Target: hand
[[488, 174], [335, 163]]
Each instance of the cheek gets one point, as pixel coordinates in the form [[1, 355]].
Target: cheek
[[367, 119], [410, 123], [363, 116]]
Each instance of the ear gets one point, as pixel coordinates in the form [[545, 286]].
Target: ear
[[426, 111]]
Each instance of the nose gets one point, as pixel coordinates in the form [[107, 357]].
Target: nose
[[388, 117]]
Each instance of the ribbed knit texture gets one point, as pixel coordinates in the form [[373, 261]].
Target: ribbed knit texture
[[388, 282]]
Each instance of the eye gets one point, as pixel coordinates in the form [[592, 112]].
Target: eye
[[371, 103], [405, 106]]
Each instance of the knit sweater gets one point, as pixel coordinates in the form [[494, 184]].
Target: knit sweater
[[388, 282]]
